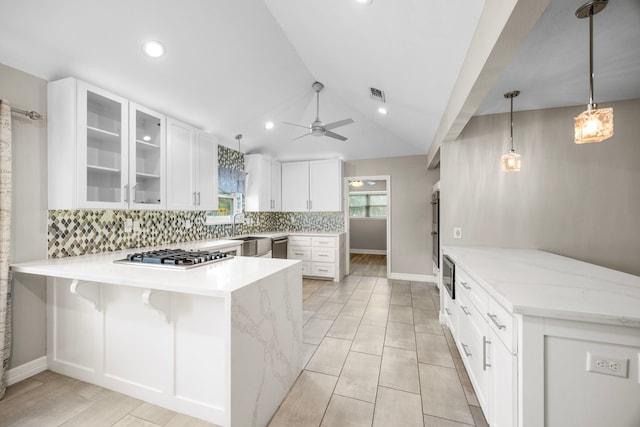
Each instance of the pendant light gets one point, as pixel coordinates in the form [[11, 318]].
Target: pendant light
[[592, 125], [511, 160]]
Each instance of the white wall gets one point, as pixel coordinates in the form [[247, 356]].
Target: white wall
[[411, 188], [581, 201], [368, 234], [29, 211]]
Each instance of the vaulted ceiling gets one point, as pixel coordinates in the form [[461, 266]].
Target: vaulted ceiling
[[232, 65]]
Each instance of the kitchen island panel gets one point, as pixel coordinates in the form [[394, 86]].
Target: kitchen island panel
[[266, 340]]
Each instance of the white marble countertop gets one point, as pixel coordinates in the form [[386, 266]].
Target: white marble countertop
[[217, 279], [538, 283]]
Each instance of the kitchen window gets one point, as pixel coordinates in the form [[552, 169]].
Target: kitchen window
[[368, 205]]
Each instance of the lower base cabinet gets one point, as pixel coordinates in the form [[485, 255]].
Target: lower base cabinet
[[321, 256]]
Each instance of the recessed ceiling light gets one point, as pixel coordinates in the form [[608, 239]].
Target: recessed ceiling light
[[383, 110], [153, 48], [269, 125], [364, 2]]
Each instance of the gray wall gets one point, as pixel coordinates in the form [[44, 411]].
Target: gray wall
[[411, 188], [368, 234], [29, 211], [581, 201]]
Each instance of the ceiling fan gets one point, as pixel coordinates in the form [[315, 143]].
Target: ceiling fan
[[318, 128]]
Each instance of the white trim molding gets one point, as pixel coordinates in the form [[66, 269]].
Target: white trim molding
[[413, 277], [368, 251], [26, 370]]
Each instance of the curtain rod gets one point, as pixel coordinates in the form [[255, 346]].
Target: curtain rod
[[33, 115]]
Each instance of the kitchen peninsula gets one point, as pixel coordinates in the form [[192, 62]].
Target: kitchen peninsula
[[220, 342]]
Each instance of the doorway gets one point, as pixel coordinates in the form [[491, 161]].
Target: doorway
[[367, 216]]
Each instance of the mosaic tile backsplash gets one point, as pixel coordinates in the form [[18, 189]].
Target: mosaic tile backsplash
[[81, 232]]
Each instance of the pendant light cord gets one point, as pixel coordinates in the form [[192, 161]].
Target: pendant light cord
[[511, 117], [592, 105]]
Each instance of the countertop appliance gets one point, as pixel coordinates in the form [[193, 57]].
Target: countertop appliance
[[174, 258], [279, 247], [449, 276], [435, 227]]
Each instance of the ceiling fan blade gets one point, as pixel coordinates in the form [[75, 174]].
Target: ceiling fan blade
[[335, 135], [337, 124], [294, 124], [301, 136]]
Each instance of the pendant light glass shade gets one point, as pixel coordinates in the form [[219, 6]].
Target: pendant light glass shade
[[511, 160], [592, 125]]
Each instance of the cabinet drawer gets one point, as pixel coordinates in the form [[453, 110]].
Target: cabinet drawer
[[477, 295], [299, 252], [306, 268], [322, 269], [323, 255], [473, 350], [504, 325], [327, 242], [299, 240]]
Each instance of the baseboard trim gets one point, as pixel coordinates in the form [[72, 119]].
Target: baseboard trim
[[368, 251], [26, 370], [413, 277]]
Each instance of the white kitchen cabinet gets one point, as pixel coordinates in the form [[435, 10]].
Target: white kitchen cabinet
[[480, 328], [314, 186], [192, 168], [88, 146], [321, 256], [263, 192], [147, 165]]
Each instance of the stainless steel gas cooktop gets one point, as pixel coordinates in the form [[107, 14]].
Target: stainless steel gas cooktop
[[174, 258]]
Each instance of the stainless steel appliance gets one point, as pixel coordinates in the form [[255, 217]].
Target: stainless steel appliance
[[449, 276], [435, 227], [179, 259], [279, 247], [255, 245]]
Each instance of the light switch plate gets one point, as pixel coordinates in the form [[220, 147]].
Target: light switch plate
[[128, 225], [457, 232]]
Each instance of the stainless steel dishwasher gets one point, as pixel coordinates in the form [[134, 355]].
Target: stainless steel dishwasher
[[279, 247]]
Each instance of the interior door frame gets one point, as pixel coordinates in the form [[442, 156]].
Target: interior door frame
[[345, 204]]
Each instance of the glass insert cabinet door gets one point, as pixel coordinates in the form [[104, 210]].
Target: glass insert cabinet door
[[103, 136], [146, 158]]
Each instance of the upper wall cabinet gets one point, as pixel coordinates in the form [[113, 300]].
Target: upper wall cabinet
[[314, 186], [103, 152], [192, 170], [263, 184]]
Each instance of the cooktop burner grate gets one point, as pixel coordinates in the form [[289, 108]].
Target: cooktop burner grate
[[174, 258]]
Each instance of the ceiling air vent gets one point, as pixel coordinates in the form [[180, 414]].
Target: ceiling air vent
[[377, 94]]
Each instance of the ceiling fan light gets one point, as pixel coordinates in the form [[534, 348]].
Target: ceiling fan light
[[511, 162], [593, 125]]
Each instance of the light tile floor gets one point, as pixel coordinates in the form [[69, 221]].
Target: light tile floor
[[376, 355]]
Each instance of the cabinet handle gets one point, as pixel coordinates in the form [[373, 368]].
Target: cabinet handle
[[485, 365], [323, 255], [307, 205], [310, 204], [494, 319], [126, 193], [465, 310], [193, 198], [464, 285], [448, 311], [324, 271], [465, 348], [198, 198], [134, 189]]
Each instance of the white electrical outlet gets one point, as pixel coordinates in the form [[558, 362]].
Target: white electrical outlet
[[128, 225], [187, 224], [457, 232], [136, 226], [607, 365]]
